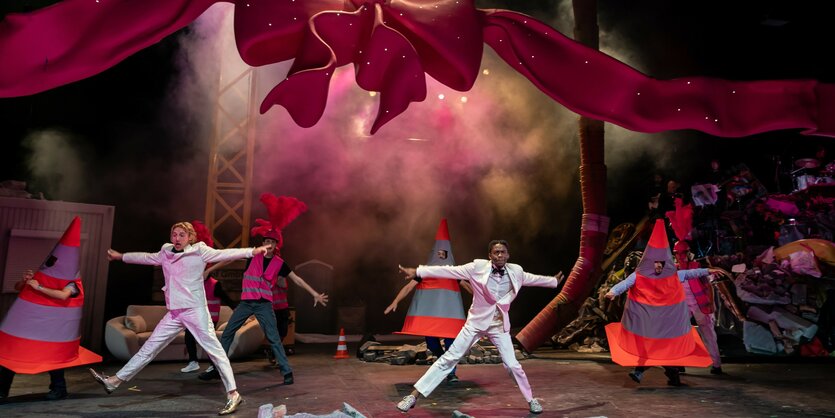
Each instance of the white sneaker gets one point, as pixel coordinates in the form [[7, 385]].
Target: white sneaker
[[536, 408], [407, 403], [191, 367]]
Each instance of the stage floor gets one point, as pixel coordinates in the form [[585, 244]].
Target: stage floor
[[568, 384]]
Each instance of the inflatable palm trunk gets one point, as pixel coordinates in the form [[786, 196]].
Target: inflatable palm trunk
[[41, 333]]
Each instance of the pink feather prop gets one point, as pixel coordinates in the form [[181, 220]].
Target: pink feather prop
[[203, 234], [681, 219], [282, 210]]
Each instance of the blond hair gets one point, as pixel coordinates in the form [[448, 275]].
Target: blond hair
[[189, 228]]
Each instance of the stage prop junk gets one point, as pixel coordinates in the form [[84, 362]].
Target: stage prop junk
[[393, 45]]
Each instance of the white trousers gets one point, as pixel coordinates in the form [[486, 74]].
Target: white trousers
[[199, 323], [707, 325], [465, 339]]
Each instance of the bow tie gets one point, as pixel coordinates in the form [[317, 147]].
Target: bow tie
[[499, 271]]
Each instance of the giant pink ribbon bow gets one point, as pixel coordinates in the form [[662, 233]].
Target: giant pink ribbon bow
[[393, 44]]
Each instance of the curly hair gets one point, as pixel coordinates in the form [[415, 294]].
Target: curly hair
[[189, 228]]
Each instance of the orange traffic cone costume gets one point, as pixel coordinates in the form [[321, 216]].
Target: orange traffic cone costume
[[341, 346], [436, 309], [40, 333], [655, 329]]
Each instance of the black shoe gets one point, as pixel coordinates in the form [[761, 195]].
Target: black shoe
[[716, 370], [288, 378], [209, 375], [673, 377], [452, 378], [636, 376], [55, 395]]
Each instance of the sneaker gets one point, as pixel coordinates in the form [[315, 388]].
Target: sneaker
[[209, 374], [56, 394], [452, 378], [192, 366], [231, 405], [636, 376], [288, 378], [536, 408], [407, 403], [102, 379], [716, 370]]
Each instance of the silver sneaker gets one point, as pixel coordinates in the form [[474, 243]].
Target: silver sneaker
[[407, 403], [192, 366], [231, 405], [536, 408], [102, 379]]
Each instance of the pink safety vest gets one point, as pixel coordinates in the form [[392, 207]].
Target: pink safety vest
[[257, 283], [280, 294], [212, 301]]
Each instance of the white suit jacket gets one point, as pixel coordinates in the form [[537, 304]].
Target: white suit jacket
[[184, 271], [484, 304]]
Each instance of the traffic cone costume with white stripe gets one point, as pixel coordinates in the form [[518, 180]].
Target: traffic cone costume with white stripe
[[436, 309], [655, 329], [341, 346], [41, 333]]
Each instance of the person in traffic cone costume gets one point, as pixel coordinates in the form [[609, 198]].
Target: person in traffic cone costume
[[655, 329], [260, 277], [41, 330], [341, 346], [436, 310]]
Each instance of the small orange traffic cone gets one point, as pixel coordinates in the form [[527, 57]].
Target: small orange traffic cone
[[342, 346]]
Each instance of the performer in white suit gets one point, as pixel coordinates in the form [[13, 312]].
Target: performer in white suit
[[495, 285], [183, 262]]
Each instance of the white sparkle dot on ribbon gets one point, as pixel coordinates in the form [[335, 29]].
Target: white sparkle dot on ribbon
[[501, 40], [401, 14], [733, 91], [525, 21], [463, 99], [688, 82], [441, 96], [385, 49], [269, 24], [679, 109], [716, 120], [368, 62], [706, 118], [587, 62], [295, 18], [247, 5], [404, 56], [327, 73], [387, 111], [639, 93], [532, 56]]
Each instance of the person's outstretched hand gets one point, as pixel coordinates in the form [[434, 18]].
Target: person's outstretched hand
[[409, 272], [391, 308], [260, 250], [113, 255], [559, 276], [320, 298]]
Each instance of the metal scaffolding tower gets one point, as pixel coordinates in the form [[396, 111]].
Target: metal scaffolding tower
[[229, 188]]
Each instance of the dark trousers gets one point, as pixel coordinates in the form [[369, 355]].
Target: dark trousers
[[56, 380], [282, 319], [434, 345], [191, 345]]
